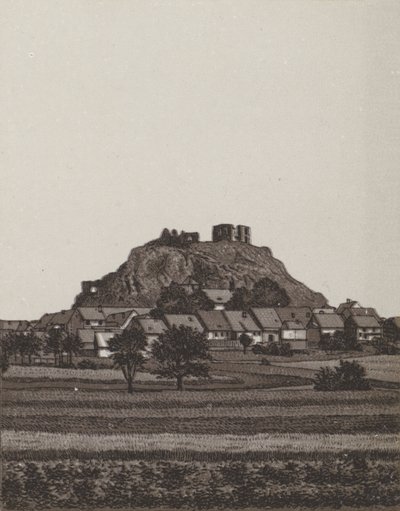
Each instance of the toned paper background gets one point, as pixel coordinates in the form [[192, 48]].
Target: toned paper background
[[120, 118]]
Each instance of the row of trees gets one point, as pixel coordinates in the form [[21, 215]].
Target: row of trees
[[178, 353], [28, 345], [174, 299]]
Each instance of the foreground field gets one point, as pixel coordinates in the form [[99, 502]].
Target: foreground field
[[67, 447]]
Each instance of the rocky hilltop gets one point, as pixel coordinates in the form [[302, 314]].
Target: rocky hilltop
[[221, 264]]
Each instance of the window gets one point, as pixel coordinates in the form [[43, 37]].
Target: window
[[293, 315], [87, 322], [270, 338]]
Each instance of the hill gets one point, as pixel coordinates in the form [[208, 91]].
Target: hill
[[139, 280]]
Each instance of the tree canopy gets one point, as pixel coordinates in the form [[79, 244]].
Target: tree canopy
[[181, 352], [174, 299], [265, 293], [127, 350]]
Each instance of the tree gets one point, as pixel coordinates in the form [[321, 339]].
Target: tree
[[33, 345], [338, 341], [384, 346], [242, 299], [181, 352], [172, 300], [346, 376], [7, 344], [127, 351], [245, 340], [175, 300], [267, 293], [73, 345], [54, 344]]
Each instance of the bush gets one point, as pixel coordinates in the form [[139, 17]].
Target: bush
[[259, 349], [273, 348], [265, 362], [87, 364], [384, 347], [346, 376]]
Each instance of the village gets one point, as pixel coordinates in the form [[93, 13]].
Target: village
[[227, 327]]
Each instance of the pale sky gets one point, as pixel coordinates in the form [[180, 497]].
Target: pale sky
[[121, 117]]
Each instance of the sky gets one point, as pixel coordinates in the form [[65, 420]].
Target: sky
[[121, 117]]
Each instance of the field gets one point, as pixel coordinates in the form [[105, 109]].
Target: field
[[212, 446]]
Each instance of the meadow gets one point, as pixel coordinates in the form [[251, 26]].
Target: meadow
[[99, 447]]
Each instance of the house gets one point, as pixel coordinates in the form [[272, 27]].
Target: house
[[391, 329], [324, 310], [152, 328], [241, 322], [294, 333], [62, 319], [218, 330], [362, 328], [322, 324], [353, 308], [302, 314], [188, 320], [8, 326], [220, 297], [269, 322]]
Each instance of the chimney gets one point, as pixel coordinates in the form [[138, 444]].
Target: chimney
[[348, 300], [100, 308]]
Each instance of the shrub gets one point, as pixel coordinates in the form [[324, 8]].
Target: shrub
[[265, 362], [259, 349], [384, 347], [87, 364], [346, 376], [275, 349]]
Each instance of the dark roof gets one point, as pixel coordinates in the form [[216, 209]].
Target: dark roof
[[152, 326], [241, 321], [329, 320], [178, 320], [60, 318], [87, 338], [365, 321], [267, 317], [16, 325], [293, 325], [214, 321], [364, 311], [303, 314], [91, 313], [346, 305], [43, 321], [218, 295]]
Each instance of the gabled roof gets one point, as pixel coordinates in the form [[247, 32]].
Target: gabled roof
[[365, 321], [183, 320], [241, 321], [303, 314], [86, 335], [16, 325], [347, 305], [141, 311], [218, 295], [214, 321], [364, 311], [119, 318], [60, 318], [267, 317], [329, 320], [152, 326], [91, 313], [43, 321], [293, 325], [102, 339], [116, 310]]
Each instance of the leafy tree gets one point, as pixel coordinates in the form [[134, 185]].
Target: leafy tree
[[338, 341], [181, 352], [267, 293], [242, 299], [245, 340], [54, 344], [127, 351], [198, 300], [384, 346], [175, 300], [73, 345], [7, 348], [32, 345], [347, 376]]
